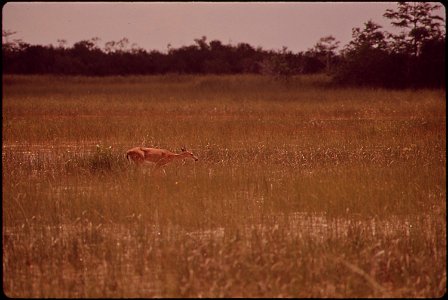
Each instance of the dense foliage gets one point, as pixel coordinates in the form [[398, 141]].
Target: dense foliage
[[415, 57], [86, 58]]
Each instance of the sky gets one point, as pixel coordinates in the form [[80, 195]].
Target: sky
[[153, 25]]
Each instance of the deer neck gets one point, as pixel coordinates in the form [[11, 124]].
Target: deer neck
[[180, 155]]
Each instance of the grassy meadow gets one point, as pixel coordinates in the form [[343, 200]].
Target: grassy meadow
[[301, 189]]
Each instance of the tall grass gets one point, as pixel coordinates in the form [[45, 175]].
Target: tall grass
[[301, 190]]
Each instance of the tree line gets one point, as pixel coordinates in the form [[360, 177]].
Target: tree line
[[414, 57], [86, 58]]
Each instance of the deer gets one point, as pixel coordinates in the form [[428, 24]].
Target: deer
[[159, 157]]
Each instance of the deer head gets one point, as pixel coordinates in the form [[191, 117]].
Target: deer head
[[188, 153]]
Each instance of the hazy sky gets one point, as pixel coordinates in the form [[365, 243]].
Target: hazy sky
[[152, 25]]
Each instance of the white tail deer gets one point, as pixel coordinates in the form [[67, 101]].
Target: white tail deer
[[160, 157]]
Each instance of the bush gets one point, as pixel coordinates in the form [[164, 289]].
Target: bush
[[373, 67], [102, 159]]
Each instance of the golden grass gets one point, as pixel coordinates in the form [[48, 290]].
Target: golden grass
[[301, 190]]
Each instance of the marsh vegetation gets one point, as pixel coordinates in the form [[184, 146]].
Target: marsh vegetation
[[301, 189]]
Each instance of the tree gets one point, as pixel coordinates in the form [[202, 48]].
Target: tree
[[413, 58], [62, 43], [367, 61], [275, 64], [9, 46], [325, 49], [202, 43], [6, 34], [369, 37], [418, 22]]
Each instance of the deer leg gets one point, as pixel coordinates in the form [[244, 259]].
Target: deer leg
[[160, 164]]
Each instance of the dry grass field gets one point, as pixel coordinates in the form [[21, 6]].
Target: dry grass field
[[301, 189]]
